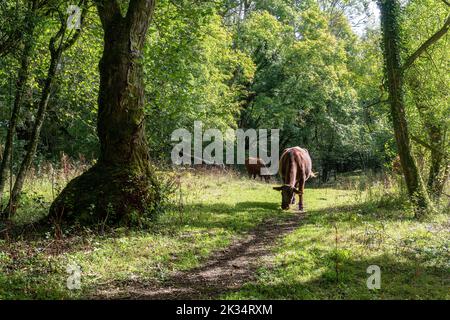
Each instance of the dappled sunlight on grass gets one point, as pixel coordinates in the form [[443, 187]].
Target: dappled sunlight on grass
[[215, 211], [209, 212], [327, 257]]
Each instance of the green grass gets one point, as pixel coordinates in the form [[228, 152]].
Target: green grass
[[311, 264], [210, 211], [214, 211]]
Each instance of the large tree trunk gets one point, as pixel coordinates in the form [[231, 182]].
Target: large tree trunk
[[390, 10], [122, 183]]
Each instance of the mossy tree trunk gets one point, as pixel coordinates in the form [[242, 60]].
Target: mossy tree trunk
[[439, 167], [436, 145], [390, 10], [121, 183], [435, 129]]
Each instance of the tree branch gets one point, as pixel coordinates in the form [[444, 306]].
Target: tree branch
[[434, 38], [77, 34], [144, 8], [139, 10], [427, 145], [108, 11], [59, 36], [375, 102]]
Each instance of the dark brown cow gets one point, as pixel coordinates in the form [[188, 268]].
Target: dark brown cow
[[253, 166], [295, 168]]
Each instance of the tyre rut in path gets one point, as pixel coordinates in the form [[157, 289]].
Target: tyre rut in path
[[224, 271]]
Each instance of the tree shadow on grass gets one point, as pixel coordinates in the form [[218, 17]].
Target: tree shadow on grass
[[358, 212], [233, 268], [254, 205], [240, 217], [399, 280], [225, 269]]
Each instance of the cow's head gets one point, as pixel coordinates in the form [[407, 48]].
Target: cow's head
[[287, 195]]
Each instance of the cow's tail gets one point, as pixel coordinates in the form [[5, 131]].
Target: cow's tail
[[313, 174]]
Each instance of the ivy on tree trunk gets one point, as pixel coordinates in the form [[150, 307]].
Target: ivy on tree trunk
[[390, 10]]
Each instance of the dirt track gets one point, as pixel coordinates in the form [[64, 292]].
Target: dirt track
[[224, 271]]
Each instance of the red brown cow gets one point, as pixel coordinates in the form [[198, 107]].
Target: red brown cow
[[254, 166], [295, 168]]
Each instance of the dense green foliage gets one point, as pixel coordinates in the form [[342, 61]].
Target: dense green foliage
[[294, 65], [200, 64]]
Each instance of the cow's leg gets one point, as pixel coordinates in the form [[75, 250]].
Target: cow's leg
[[300, 195]]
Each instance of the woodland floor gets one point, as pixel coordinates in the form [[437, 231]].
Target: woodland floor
[[225, 237], [224, 271]]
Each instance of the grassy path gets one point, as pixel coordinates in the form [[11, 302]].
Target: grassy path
[[225, 270], [215, 212], [227, 238]]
